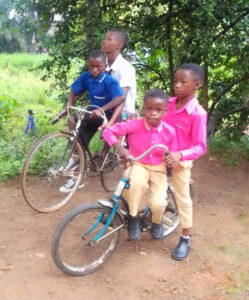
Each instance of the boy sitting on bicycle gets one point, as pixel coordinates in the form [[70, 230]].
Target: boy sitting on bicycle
[[103, 91], [189, 119], [150, 172]]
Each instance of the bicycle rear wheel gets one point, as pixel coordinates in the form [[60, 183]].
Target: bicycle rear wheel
[[71, 246], [112, 171], [170, 217], [46, 169]]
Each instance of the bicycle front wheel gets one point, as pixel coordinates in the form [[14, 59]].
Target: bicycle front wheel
[[46, 170], [72, 250], [112, 171]]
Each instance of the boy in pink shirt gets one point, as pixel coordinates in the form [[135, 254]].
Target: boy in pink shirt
[[189, 119], [149, 172]]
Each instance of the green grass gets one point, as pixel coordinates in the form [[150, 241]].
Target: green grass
[[21, 88], [21, 60]]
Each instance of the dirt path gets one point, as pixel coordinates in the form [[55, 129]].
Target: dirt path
[[217, 268]]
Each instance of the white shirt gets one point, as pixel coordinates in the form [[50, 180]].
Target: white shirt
[[125, 74]]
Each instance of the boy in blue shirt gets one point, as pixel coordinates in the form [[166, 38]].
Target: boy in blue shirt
[[103, 91]]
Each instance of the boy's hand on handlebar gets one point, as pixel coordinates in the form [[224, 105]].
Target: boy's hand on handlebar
[[96, 113], [108, 124], [172, 159], [123, 153]]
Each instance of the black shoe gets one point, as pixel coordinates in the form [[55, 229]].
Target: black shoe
[[157, 230], [182, 249], [134, 228]]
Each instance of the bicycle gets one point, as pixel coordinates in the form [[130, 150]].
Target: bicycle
[[89, 234], [48, 166]]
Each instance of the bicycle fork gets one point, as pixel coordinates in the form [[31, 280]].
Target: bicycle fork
[[115, 198]]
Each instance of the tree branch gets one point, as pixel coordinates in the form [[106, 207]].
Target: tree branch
[[231, 25], [150, 68], [225, 90], [211, 126]]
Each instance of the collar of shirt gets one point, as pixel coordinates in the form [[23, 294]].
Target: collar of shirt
[[115, 65], [189, 106], [100, 78], [151, 128]]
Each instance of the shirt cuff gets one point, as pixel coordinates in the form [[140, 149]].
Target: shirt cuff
[[185, 153]]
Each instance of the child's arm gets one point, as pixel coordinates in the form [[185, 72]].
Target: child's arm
[[198, 141], [123, 153], [72, 98], [173, 157], [117, 96], [110, 135], [114, 103], [198, 138]]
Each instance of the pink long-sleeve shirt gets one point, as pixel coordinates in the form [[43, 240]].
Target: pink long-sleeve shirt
[[190, 123], [142, 136]]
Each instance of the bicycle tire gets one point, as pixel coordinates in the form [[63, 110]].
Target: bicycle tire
[[44, 172], [170, 217], [70, 245], [112, 171]]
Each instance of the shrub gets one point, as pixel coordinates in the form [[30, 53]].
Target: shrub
[[230, 150]]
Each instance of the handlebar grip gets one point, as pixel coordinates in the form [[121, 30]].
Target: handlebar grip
[[54, 121], [169, 172]]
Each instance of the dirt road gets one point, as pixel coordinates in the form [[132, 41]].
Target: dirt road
[[217, 267]]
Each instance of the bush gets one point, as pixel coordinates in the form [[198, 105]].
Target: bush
[[230, 150], [21, 90]]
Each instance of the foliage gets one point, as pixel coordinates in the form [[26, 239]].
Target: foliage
[[21, 90], [6, 106], [163, 34], [229, 149], [12, 38]]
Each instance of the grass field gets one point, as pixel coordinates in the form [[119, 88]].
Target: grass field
[[21, 88]]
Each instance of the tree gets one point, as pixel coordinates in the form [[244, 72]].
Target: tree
[[11, 37], [163, 34]]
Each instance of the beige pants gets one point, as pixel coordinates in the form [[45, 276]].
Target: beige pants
[[142, 178], [180, 183]]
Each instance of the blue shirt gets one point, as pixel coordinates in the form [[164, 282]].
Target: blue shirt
[[101, 90]]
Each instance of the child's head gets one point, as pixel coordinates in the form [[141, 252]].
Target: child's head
[[188, 78], [30, 112], [115, 39], [96, 63], [155, 103]]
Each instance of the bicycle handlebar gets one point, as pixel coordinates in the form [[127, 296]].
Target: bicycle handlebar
[[82, 110], [169, 170]]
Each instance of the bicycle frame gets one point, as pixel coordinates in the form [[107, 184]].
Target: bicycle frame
[[76, 137], [123, 183]]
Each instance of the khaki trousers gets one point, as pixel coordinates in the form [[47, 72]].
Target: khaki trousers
[[180, 182], [147, 177]]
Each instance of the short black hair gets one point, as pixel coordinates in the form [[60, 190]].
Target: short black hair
[[30, 111], [122, 36], [97, 54], [156, 93], [195, 69]]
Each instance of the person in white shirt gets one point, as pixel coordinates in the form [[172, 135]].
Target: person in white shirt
[[119, 68]]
